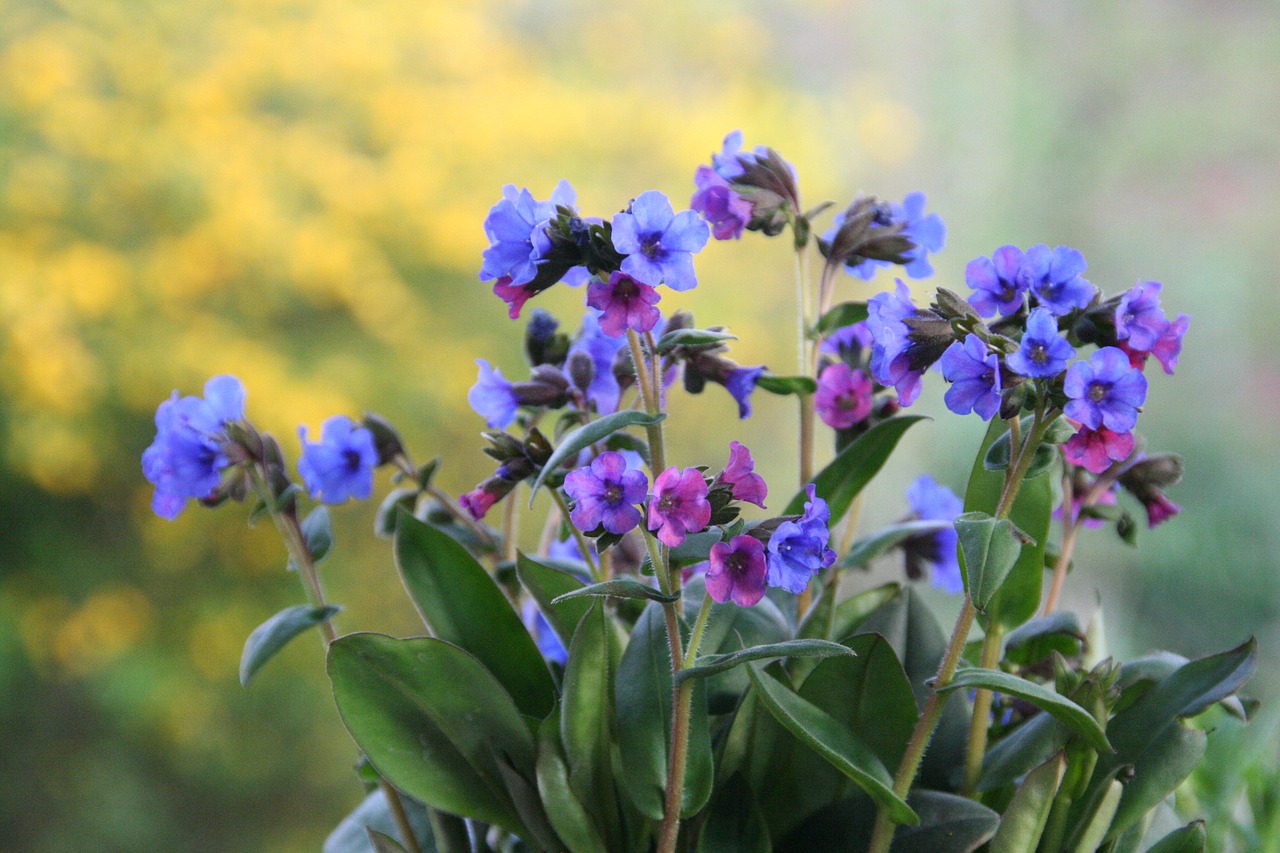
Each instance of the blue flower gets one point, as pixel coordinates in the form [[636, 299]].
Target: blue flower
[[513, 226], [740, 383], [659, 243], [900, 354], [975, 376], [927, 231], [492, 397], [1139, 318], [931, 501], [1054, 278], [1105, 391], [1043, 352], [728, 163], [798, 549], [549, 643], [603, 390], [996, 282], [187, 457], [341, 465]]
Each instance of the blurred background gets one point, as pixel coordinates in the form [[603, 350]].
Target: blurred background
[[293, 192]]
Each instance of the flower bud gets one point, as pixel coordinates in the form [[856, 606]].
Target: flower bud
[[386, 441]]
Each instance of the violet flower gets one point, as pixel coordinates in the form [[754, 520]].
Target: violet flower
[[737, 571], [625, 303], [798, 548], [931, 501], [606, 493], [927, 232], [1053, 277], [974, 374], [493, 397], [1139, 319], [996, 282], [1043, 353], [187, 457], [659, 243], [341, 465], [1105, 391], [678, 505], [511, 227], [549, 643], [844, 395], [727, 212]]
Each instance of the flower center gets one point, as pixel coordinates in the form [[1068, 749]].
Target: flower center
[[1039, 353], [352, 458], [651, 246], [1098, 391], [613, 494]]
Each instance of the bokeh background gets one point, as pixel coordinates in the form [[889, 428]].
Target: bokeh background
[[293, 191]]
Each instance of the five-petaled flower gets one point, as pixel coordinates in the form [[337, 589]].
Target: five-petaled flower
[[931, 501], [1105, 391], [740, 476], [974, 374], [512, 226], [605, 494], [341, 464], [658, 242], [1053, 276], [996, 283], [737, 571], [798, 547], [678, 505], [188, 455], [625, 303], [1043, 353], [844, 395], [493, 397]]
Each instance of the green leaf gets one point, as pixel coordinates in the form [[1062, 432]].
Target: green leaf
[[1157, 773], [433, 721], [1100, 820], [990, 548], [529, 806], [734, 823], [844, 314], [271, 636], [383, 843], [729, 629], [1016, 754], [545, 583], [695, 548], [619, 587], [642, 689], [844, 618], [841, 481], [784, 385], [587, 435], [317, 530], [1189, 839], [1019, 596], [709, 665], [948, 824], [462, 604], [1023, 820], [566, 812], [691, 338], [1058, 632], [826, 736], [374, 813], [866, 549], [1049, 701]]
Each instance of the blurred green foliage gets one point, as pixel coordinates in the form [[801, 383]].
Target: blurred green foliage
[[292, 192]]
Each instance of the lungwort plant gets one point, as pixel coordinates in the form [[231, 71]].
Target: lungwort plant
[[684, 660]]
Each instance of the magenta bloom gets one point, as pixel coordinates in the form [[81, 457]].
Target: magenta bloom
[[740, 474], [1095, 449], [626, 302], [679, 505], [515, 295], [737, 571], [727, 212], [605, 493], [844, 395], [1160, 509], [478, 501]]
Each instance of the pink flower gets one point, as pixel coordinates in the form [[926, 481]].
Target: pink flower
[[844, 395], [626, 303], [1095, 449], [679, 505], [515, 295], [740, 474], [737, 572]]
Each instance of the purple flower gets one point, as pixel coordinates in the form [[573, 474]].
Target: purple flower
[[1105, 391], [926, 231], [848, 342], [727, 212], [602, 389], [493, 397], [1095, 449], [1169, 345], [931, 501], [740, 382], [737, 571], [974, 374], [844, 395], [512, 226], [187, 457], [679, 505], [626, 303], [900, 355], [549, 644], [798, 549], [740, 475], [728, 163], [1043, 352], [1053, 277], [1139, 319], [606, 493], [659, 243], [341, 465], [996, 282]]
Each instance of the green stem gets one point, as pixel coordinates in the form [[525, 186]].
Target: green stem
[[980, 721], [882, 835], [652, 405], [699, 627], [583, 545]]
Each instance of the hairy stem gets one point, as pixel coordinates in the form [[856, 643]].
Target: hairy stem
[[583, 545], [652, 405]]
